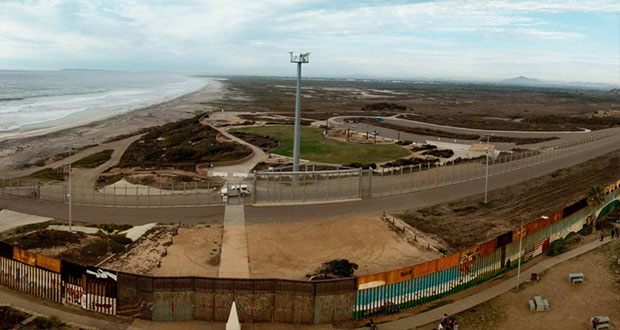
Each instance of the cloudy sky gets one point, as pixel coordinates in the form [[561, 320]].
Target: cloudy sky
[[567, 40]]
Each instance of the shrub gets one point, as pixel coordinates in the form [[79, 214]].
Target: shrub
[[557, 247], [121, 239], [52, 322], [338, 268]]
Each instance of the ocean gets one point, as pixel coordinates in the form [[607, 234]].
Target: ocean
[[33, 100]]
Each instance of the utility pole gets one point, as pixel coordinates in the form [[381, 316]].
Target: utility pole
[[299, 59]]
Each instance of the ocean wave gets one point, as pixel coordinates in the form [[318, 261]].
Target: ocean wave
[[8, 99]]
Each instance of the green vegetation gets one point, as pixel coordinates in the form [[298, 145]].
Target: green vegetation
[[337, 268], [183, 145], [38, 163], [46, 239], [10, 318], [384, 106], [557, 247], [94, 160], [594, 122], [315, 147], [49, 174], [52, 322], [443, 153]]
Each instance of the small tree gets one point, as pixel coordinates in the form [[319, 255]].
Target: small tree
[[596, 196], [108, 229]]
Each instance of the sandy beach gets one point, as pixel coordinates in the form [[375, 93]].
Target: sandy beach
[[32, 146]]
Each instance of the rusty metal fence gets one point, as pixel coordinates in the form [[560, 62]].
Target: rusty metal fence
[[257, 300]]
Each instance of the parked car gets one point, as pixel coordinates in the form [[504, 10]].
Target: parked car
[[235, 190]]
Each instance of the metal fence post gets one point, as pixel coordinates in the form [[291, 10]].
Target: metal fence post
[[360, 182]]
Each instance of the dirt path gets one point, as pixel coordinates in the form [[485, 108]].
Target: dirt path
[[292, 250], [87, 177], [119, 148]]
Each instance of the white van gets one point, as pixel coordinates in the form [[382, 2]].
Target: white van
[[235, 190]]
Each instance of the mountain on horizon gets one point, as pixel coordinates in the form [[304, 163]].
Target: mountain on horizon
[[522, 80]]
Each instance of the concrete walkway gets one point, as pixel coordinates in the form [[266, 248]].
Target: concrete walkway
[[72, 316], [487, 294], [234, 262]]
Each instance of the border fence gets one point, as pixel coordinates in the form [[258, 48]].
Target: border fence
[[289, 301], [309, 185], [345, 184]]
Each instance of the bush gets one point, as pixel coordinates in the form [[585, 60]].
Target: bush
[[557, 247], [364, 166], [338, 268], [121, 239], [52, 322]]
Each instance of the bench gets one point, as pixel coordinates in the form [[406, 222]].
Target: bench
[[540, 305], [546, 304], [576, 277], [532, 305], [603, 322]]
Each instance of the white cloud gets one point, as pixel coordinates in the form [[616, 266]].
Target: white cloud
[[253, 36]]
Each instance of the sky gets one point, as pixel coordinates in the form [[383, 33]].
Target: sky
[[571, 40]]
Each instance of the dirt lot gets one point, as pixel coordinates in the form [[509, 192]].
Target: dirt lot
[[144, 254], [476, 106], [571, 306], [195, 252], [292, 250], [465, 222]]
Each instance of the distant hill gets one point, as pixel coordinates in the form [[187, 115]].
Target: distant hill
[[522, 80], [532, 82]]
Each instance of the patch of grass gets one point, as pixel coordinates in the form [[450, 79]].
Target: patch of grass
[[47, 239], [9, 318], [49, 174], [315, 147], [94, 160], [52, 322], [31, 227]]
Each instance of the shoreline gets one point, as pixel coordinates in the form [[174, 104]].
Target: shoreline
[[28, 147], [17, 134]]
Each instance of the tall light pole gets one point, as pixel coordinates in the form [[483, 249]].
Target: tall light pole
[[70, 194], [486, 178], [299, 59]]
